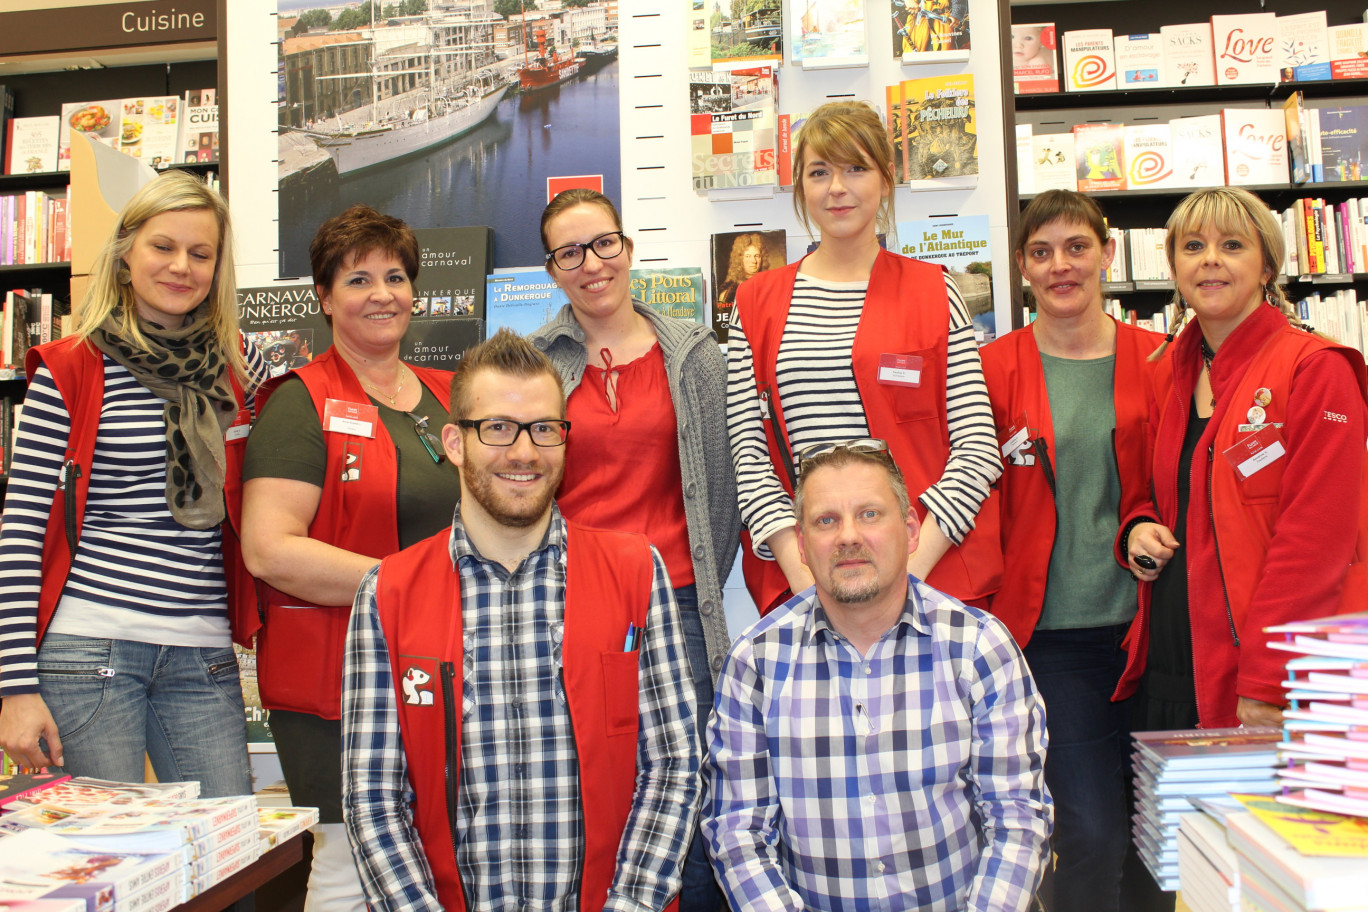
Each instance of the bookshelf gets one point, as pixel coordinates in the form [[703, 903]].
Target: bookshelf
[[1060, 112]]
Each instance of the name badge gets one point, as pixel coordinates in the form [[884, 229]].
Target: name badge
[[900, 370], [1259, 449], [1018, 435], [352, 418], [240, 428]]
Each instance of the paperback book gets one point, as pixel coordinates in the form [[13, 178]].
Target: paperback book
[[149, 129], [36, 865], [31, 146], [962, 245], [829, 33], [1035, 58], [199, 134], [1295, 128], [935, 143], [1246, 48], [733, 131], [1188, 57], [1255, 142], [727, 34], [15, 786], [286, 322], [96, 120], [1198, 151], [1344, 142], [736, 256], [675, 291], [1348, 51], [1089, 61], [930, 31], [1099, 151], [521, 298], [1139, 60], [1303, 47], [1052, 161], [1148, 156]]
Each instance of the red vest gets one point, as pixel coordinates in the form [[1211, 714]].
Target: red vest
[[906, 312], [608, 587], [77, 369], [1016, 386], [299, 650]]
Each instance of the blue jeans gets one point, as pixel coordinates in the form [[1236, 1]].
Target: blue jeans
[[115, 701], [699, 892], [1087, 764]]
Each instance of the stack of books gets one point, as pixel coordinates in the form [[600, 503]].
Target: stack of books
[[1172, 768], [1292, 859], [1326, 726], [18, 786], [121, 847], [1207, 865]]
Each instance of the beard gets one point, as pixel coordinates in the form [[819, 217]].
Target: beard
[[517, 511], [852, 591]]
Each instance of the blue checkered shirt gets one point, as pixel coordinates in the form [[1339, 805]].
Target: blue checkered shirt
[[911, 778], [520, 835]]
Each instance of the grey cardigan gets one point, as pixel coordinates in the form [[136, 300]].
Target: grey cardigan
[[697, 375]]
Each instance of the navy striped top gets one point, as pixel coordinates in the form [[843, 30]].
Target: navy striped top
[[137, 574]]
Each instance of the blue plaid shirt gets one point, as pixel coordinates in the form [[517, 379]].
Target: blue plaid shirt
[[520, 836], [911, 778]]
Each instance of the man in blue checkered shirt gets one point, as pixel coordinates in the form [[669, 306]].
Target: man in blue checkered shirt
[[875, 744]]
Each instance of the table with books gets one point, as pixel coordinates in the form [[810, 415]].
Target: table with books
[[87, 845]]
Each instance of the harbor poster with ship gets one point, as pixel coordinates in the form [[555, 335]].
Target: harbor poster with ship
[[443, 117]]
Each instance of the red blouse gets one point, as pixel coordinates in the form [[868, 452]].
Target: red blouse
[[622, 468]]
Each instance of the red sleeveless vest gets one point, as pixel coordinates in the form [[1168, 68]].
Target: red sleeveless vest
[[906, 312], [77, 369], [608, 587], [1016, 385], [299, 650]]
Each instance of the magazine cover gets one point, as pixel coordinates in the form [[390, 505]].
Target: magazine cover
[[733, 125], [937, 142], [930, 31], [736, 256], [961, 245], [675, 291], [829, 34], [1035, 58]]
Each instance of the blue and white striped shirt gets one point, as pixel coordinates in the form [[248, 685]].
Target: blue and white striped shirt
[[137, 573], [910, 778]]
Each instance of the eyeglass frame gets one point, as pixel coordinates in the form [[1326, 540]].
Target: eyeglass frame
[[587, 248], [866, 446], [431, 442], [475, 424]]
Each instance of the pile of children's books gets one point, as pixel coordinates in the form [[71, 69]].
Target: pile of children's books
[[120, 847], [1326, 726], [1174, 768]]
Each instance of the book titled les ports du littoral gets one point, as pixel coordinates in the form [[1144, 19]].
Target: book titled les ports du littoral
[[672, 291]]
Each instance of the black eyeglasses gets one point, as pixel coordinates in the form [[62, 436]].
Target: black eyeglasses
[[872, 446], [502, 432], [430, 441], [571, 256]]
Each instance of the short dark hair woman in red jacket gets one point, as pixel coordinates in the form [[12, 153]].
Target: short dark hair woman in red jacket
[[1258, 515]]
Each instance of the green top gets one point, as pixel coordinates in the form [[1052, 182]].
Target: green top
[[1085, 587], [287, 442]]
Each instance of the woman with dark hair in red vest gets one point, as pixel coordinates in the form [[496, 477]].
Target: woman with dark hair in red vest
[[854, 341], [343, 469], [1259, 515], [1070, 398]]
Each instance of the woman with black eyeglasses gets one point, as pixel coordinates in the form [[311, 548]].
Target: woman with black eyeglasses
[[647, 397], [340, 472]]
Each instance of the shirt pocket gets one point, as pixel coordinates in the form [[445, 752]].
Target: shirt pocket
[[621, 690], [918, 403]]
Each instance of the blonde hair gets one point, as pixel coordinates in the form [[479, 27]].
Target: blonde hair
[[845, 132], [172, 191], [1233, 211]]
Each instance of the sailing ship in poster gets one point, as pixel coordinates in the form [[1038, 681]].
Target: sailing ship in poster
[[439, 109]]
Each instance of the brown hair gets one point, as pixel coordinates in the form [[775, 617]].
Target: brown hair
[[171, 191], [1059, 206], [845, 132], [841, 457], [505, 352], [569, 199], [357, 231]]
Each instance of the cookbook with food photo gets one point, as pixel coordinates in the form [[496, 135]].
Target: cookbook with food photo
[[149, 129], [98, 120]]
